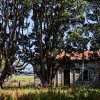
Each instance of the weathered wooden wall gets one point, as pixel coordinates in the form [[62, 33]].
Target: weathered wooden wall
[[75, 74]]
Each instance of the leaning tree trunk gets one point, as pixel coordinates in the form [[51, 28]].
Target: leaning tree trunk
[[5, 73]]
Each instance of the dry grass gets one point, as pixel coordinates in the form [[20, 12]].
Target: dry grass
[[18, 84], [50, 94]]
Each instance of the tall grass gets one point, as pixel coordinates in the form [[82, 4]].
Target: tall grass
[[50, 94]]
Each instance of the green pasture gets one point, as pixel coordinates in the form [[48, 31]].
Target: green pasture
[[23, 78], [19, 81]]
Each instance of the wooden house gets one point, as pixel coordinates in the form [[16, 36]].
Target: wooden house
[[83, 70], [80, 70]]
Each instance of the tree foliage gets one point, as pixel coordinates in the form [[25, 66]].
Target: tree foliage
[[93, 24], [12, 22], [52, 22]]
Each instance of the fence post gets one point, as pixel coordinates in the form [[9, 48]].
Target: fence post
[[19, 84]]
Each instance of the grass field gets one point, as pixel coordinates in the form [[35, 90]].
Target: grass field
[[19, 81], [26, 91], [23, 78]]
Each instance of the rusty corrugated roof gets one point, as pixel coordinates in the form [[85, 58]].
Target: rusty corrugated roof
[[78, 55]]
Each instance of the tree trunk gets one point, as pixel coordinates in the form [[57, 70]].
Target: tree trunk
[[5, 73], [47, 84]]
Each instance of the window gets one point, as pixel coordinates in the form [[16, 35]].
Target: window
[[77, 74], [86, 75]]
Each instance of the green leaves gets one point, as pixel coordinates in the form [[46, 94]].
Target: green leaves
[[55, 51], [74, 36], [2, 64]]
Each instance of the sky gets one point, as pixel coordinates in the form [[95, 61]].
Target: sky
[[28, 68], [29, 30]]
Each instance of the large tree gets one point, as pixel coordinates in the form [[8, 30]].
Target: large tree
[[13, 14], [52, 22]]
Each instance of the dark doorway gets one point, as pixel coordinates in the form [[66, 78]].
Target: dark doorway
[[66, 77], [85, 77]]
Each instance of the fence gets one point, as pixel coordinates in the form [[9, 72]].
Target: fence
[[18, 84]]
